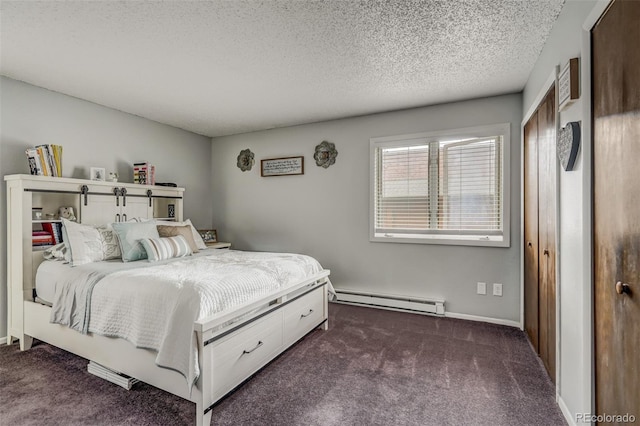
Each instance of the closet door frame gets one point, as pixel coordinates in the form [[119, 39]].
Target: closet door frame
[[551, 81]]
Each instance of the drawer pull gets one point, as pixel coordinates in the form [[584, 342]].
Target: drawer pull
[[304, 316], [257, 346]]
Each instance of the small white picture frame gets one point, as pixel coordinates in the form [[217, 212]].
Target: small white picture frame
[[97, 173]]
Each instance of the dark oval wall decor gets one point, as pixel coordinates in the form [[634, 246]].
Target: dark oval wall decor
[[325, 154], [568, 144], [245, 160]]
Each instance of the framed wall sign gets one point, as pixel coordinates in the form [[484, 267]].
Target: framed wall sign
[[568, 84], [282, 166]]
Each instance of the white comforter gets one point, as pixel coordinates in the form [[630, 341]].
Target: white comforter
[[154, 306]]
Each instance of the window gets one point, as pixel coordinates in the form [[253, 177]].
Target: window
[[442, 188]]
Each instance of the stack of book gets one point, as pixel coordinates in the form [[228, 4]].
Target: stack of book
[[42, 238], [55, 229], [144, 173], [45, 160]]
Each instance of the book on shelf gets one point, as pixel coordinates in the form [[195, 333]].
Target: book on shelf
[[55, 229], [48, 239], [144, 173], [42, 238], [34, 161], [45, 160]]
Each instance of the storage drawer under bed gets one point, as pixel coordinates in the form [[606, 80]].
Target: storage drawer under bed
[[302, 315], [239, 355]]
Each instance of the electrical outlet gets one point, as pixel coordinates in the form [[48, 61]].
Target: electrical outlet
[[482, 288], [497, 289]]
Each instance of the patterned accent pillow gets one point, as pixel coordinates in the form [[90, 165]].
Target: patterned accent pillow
[[84, 242], [166, 248], [110, 245], [196, 235], [129, 236], [173, 231]]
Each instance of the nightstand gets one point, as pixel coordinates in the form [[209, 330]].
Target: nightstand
[[218, 245]]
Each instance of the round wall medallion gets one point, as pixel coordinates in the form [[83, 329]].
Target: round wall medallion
[[568, 144], [325, 154], [245, 160]]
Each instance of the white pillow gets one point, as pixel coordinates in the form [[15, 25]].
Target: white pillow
[[86, 243], [196, 236], [166, 248]]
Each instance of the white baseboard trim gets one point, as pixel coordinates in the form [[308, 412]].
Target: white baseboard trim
[[3, 340], [468, 317], [565, 412]]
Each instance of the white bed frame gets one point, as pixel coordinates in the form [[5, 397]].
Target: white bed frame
[[229, 350]]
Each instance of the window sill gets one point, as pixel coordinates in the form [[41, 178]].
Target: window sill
[[442, 239]]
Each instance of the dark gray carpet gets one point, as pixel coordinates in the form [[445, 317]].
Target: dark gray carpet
[[372, 367]]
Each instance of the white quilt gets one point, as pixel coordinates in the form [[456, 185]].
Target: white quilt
[[154, 306]]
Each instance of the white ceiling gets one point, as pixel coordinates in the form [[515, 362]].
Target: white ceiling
[[226, 67]]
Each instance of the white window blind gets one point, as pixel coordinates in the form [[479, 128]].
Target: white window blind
[[440, 187], [471, 186], [403, 188]]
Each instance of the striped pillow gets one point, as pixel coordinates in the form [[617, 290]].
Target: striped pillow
[[166, 248]]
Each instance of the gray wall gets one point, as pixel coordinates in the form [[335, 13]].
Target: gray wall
[[93, 135], [325, 212], [574, 379]]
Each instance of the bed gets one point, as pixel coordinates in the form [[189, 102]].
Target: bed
[[221, 347], [196, 327]]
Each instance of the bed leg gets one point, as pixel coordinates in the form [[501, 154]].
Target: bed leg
[[325, 325], [203, 419], [26, 342]]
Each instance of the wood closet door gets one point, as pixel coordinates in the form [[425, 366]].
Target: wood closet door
[[531, 230], [540, 167], [616, 208], [547, 170]]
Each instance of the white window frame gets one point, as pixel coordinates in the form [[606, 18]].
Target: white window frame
[[463, 239]]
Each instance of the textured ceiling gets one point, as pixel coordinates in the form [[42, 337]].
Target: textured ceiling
[[225, 67]]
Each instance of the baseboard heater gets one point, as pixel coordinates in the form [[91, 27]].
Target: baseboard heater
[[399, 303], [111, 375]]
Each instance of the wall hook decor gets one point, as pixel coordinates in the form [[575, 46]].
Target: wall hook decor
[[245, 160], [325, 154]]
